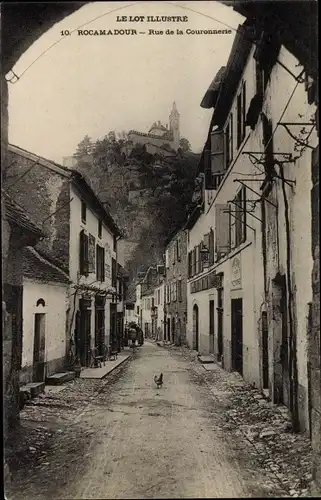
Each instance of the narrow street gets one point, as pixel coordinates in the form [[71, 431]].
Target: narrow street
[[132, 440]]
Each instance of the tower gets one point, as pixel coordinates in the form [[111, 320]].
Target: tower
[[174, 125]]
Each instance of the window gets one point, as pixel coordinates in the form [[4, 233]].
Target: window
[[83, 254], [241, 115], [158, 296], [214, 161], [211, 246], [174, 291], [173, 254], [194, 262], [115, 243], [153, 302], [100, 263], [238, 225], [179, 290], [222, 232], [190, 264], [100, 229], [83, 211], [228, 142]]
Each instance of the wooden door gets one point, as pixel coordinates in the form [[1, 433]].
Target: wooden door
[[220, 313], [39, 344], [237, 335], [195, 328], [211, 339]]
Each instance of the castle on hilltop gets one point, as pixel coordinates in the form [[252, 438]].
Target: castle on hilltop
[[160, 135]]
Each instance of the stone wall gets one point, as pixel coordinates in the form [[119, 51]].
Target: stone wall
[[44, 194], [177, 270]]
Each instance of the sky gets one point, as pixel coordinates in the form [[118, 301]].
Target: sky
[[94, 84]]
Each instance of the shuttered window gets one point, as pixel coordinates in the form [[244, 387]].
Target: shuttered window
[[100, 263], [222, 231], [211, 247], [190, 274], [179, 290], [83, 254]]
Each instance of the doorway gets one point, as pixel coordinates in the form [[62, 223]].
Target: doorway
[[173, 330], [220, 315], [100, 329], [195, 328], [168, 336], [113, 325], [265, 351], [39, 343], [84, 339], [211, 340], [237, 335]]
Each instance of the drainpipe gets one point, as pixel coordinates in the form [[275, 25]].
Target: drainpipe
[[293, 366]]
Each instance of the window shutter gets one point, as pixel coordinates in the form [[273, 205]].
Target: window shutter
[[222, 229], [207, 241], [82, 252], [217, 151], [102, 264], [189, 264], [86, 255], [199, 262], [211, 247]]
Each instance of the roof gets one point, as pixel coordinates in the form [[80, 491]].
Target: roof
[[44, 162], [232, 75], [17, 215], [36, 267], [77, 178], [174, 233], [211, 95]]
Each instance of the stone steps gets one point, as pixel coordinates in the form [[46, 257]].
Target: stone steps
[[60, 378], [206, 359], [33, 388]]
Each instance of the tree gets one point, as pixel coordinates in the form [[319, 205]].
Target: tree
[[185, 145], [84, 148]]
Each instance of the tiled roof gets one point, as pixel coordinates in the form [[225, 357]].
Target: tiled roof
[[36, 267], [17, 215]]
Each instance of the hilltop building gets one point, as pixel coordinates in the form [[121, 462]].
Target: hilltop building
[[160, 135]]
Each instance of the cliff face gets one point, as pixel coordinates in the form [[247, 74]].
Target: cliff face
[[146, 195]]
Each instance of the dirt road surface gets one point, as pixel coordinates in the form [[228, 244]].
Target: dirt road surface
[[144, 442]]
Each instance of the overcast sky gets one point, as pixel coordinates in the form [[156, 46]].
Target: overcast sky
[[94, 84]]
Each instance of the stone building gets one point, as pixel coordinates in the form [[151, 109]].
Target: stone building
[[300, 38], [175, 302], [82, 242], [45, 305], [21, 232], [159, 136], [254, 221]]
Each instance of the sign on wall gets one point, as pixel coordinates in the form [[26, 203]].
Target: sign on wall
[[236, 279], [212, 280], [91, 254]]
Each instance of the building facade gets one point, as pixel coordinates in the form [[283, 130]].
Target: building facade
[[21, 232], [159, 309], [45, 305], [82, 242], [175, 288], [248, 302]]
